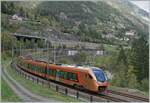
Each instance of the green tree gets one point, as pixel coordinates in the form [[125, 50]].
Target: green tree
[[131, 77], [81, 57], [122, 56], [144, 86], [22, 11], [8, 7], [119, 78], [40, 43], [7, 41], [45, 21], [4, 21], [139, 57]]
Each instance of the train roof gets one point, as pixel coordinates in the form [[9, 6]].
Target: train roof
[[84, 67], [67, 66]]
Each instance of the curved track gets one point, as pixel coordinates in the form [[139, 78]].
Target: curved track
[[129, 95], [24, 94], [106, 97]]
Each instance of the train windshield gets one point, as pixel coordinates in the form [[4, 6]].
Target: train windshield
[[100, 76]]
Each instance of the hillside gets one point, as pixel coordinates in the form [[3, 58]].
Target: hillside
[[99, 22], [127, 7]]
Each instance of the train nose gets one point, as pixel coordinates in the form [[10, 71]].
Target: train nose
[[102, 89], [103, 83]]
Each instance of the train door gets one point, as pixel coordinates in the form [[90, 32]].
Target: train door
[[83, 80], [57, 75], [46, 71], [88, 81]]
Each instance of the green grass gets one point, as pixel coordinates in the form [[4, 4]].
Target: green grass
[[7, 94], [110, 48], [40, 90]]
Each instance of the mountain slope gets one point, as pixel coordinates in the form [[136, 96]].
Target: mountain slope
[[99, 21]]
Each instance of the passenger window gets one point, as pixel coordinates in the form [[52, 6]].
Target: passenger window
[[54, 72], [48, 71], [74, 76], [62, 74], [51, 72], [65, 75]]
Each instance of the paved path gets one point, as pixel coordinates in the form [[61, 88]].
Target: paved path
[[24, 94]]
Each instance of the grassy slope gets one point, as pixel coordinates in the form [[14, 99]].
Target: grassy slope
[[7, 94], [38, 89]]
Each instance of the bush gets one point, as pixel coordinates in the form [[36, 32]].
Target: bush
[[80, 57], [144, 85], [7, 41], [131, 77], [64, 61], [6, 54], [119, 79]]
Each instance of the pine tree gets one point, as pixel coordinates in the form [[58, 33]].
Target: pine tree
[[122, 58], [131, 77], [139, 57]]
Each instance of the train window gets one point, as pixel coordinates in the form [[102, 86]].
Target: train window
[[35, 67], [65, 75], [40, 70], [72, 76], [43, 71], [90, 76], [53, 72], [60, 74], [29, 66], [69, 76], [32, 67], [48, 71]]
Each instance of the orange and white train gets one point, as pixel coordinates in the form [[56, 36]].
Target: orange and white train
[[89, 78]]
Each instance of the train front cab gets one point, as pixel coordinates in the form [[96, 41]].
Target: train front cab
[[94, 80], [101, 80]]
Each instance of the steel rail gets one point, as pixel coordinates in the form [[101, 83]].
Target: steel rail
[[26, 95], [129, 95]]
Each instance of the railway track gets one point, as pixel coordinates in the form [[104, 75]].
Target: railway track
[[22, 92], [129, 95], [108, 98]]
